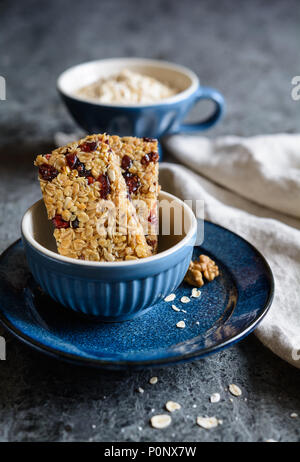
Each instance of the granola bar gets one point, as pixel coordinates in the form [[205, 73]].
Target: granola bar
[[87, 200], [139, 163]]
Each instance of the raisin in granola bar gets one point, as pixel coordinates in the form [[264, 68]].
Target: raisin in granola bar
[[139, 162], [87, 200]]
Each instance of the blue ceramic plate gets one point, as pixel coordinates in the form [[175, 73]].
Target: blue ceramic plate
[[229, 308]]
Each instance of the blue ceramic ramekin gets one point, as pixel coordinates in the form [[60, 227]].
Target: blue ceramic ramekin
[[112, 291], [142, 120]]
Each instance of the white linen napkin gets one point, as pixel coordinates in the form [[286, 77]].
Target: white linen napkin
[[251, 186]]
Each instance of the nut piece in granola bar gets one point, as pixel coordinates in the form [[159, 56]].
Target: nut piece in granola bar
[[86, 198], [204, 267], [139, 163]]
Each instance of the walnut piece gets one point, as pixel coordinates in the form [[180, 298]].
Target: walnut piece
[[203, 267]]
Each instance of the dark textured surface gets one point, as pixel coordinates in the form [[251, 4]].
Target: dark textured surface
[[249, 51]]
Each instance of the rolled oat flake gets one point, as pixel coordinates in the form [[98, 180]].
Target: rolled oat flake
[[170, 298], [235, 390], [175, 308], [160, 421], [196, 293], [207, 422], [185, 299], [172, 406], [215, 398]]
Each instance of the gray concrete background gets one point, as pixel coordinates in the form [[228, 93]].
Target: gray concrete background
[[250, 52]]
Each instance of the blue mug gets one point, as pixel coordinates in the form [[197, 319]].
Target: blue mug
[[142, 120]]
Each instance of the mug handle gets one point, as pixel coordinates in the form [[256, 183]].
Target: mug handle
[[217, 98]]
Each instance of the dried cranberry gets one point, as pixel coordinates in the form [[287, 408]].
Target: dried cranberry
[[151, 242], [47, 156], [105, 188], [59, 222], [149, 140], [48, 172], [80, 167], [88, 146], [91, 179], [72, 160], [75, 223], [126, 162], [154, 156], [73, 163], [152, 218], [145, 160], [132, 181], [150, 157]]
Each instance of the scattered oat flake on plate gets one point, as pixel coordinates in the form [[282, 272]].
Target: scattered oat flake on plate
[[160, 421], [153, 380], [185, 299], [183, 311], [170, 298], [175, 308], [235, 390], [196, 293], [140, 390], [220, 421], [294, 415], [207, 422], [198, 323], [215, 398], [172, 406], [181, 324]]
